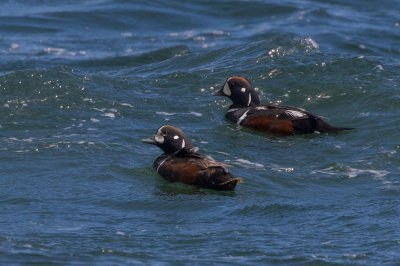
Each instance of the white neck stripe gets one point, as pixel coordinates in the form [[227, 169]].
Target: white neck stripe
[[242, 117], [248, 104], [162, 162], [183, 143]]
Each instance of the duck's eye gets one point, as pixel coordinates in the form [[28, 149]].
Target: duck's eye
[[243, 89]]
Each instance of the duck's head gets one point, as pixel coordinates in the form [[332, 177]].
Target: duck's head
[[240, 91], [170, 139]]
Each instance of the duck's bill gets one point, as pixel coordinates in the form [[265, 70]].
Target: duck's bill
[[149, 140], [218, 93]]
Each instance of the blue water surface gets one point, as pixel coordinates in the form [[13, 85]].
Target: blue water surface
[[82, 82]]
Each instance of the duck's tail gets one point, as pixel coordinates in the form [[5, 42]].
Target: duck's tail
[[229, 184], [323, 127]]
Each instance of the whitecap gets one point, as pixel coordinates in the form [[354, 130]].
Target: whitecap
[[77, 228], [196, 114], [110, 115], [127, 104], [218, 33], [52, 50], [277, 168], [94, 120], [354, 172], [14, 46], [273, 72], [165, 113], [247, 163], [126, 34], [311, 43], [200, 39]]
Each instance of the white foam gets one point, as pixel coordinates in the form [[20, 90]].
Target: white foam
[[273, 72], [247, 163], [127, 104], [165, 113], [21, 151], [218, 33], [77, 228], [94, 120], [53, 50], [88, 100], [14, 46], [110, 115], [311, 42], [120, 233], [354, 172], [196, 114], [126, 34], [200, 39], [277, 168]]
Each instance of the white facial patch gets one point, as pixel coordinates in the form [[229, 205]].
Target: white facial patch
[[176, 137], [159, 138], [248, 103], [159, 131], [243, 89], [295, 114], [226, 90], [183, 144]]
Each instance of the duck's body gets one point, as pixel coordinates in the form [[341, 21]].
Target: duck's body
[[247, 111], [181, 163], [195, 169], [280, 120]]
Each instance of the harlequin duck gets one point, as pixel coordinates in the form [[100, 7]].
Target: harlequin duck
[[247, 111], [181, 163]]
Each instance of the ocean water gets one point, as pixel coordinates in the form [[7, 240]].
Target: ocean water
[[82, 82]]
